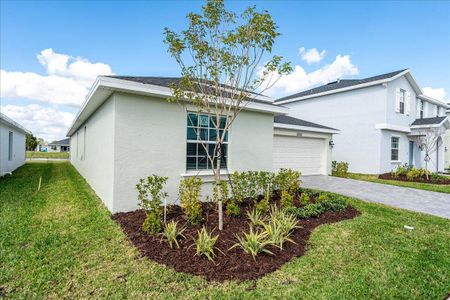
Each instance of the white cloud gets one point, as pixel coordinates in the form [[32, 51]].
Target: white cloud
[[47, 123], [436, 93], [311, 55], [67, 83], [299, 79]]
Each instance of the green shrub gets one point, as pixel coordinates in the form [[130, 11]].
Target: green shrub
[[339, 169], [171, 233], [287, 180], [310, 211], [152, 223], [304, 199], [205, 244], [150, 196], [264, 181], [436, 176], [233, 209], [189, 194], [253, 243], [322, 197], [286, 200], [263, 205], [401, 171], [334, 204], [255, 217]]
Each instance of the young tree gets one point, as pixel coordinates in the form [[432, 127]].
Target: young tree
[[30, 142], [220, 55], [429, 140]]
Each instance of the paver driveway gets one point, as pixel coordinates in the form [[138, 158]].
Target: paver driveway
[[432, 203]]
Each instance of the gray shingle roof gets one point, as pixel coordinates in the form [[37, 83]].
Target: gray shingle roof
[[340, 84], [167, 82], [294, 121], [428, 121], [63, 142]]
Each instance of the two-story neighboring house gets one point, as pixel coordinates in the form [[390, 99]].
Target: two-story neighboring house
[[379, 118]]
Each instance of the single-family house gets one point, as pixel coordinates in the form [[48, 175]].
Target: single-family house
[[379, 119], [127, 130], [12, 144], [59, 146]]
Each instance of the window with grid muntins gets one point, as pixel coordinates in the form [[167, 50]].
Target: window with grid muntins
[[201, 140], [402, 101], [394, 148]]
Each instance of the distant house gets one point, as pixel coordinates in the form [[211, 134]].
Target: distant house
[[378, 118], [12, 145], [127, 130], [59, 146]]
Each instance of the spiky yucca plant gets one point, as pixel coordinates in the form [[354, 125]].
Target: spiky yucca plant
[[171, 233], [253, 242], [205, 244]]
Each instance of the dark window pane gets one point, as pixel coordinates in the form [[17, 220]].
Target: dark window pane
[[203, 134], [223, 163], [226, 136], [212, 121], [192, 119], [202, 162], [211, 149], [212, 134], [191, 134], [225, 149], [201, 149], [191, 149], [203, 121], [223, 121], [191, 163]]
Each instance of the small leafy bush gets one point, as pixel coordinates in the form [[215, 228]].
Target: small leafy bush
[[436, 176], [322, 197], [286, 200], [263, 205], [233, 209], [255, 217], [171, 233], [304, 199], [414, 173], [339, 169], [310, 211], [150, 196], [189, 193], [253, 243], [401, 171], [205, 244], [335, 204], [287, 180]]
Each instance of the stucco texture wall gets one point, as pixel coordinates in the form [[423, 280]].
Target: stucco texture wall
[[150, 138], [92, 151], [355, 114], [18, 154]]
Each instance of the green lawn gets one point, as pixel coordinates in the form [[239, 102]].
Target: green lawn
[[33, 154], [442, 188], [61, 243]]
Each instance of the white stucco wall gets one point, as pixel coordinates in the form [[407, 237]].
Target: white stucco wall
[[150, 138], [355, 114], [18, 155], [94, 159]]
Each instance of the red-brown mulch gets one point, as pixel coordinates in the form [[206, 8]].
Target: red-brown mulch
[[231, 264], [422, 179]]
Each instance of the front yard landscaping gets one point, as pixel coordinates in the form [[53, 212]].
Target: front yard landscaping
[[442, 188], [60, 242]]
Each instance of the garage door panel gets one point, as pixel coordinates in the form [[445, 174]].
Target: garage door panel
[[299, 153]]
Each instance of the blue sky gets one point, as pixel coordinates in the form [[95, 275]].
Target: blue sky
[[126, 38]]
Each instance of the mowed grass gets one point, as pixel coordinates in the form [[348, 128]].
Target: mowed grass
[[61, 243], [35, 154], [442, 188]]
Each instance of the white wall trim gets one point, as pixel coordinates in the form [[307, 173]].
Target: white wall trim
[[305, 128], [386, 126]]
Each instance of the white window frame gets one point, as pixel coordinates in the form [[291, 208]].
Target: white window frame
[[200, 143], [421, 109], [402, 100], [397, 148]]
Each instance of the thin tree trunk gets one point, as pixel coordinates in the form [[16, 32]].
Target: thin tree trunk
[[219, 192]]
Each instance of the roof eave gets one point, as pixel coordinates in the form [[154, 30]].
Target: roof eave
[[305, 128], [104, 86]]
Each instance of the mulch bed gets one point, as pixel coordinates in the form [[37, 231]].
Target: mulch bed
[[231, 264], [419, 179]]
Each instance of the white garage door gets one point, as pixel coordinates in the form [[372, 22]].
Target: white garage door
[[306, 155]]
